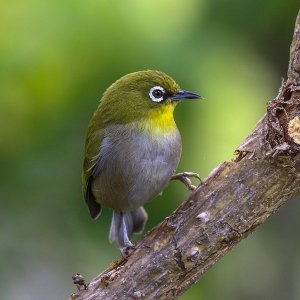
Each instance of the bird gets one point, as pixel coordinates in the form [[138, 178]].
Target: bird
[[132, 150]]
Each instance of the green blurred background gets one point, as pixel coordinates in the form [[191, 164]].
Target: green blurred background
[[58, 57]]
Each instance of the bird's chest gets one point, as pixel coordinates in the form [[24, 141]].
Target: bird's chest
[[141, 162], [153, 160], [156, 155], [142, 152]]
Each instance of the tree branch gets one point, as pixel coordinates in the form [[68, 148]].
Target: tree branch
[[231, 202]]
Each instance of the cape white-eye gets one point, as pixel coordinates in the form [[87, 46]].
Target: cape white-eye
[[132, 149]]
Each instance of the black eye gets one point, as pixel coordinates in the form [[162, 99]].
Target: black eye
[[157, 93]]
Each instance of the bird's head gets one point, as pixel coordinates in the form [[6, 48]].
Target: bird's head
[[141, 95]]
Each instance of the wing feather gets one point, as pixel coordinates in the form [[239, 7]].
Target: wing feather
[[90, 168]]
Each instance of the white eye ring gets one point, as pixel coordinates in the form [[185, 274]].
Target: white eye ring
[[157, 93]]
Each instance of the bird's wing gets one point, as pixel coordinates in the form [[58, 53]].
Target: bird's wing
[[90, 168]]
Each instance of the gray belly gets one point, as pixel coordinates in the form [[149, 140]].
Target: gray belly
[[134, 167]]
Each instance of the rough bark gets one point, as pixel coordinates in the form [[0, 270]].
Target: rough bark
[[230, 203]]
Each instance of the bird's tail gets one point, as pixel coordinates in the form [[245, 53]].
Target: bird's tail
[[123, 225]]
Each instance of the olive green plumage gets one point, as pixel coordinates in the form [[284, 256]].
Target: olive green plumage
[[132, 149], [126, 100]]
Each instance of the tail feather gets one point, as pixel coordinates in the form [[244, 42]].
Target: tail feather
[[134, 222], [139, 218]]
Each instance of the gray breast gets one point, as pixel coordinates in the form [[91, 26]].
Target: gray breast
[[133, 166]]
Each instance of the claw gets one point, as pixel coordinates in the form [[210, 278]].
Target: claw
[[184, 178], [127, 250]]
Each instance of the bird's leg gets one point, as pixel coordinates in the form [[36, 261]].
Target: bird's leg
[[128, 246], [184, 178], [126, 240]]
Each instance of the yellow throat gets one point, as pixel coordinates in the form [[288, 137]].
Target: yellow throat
[[159, 120]]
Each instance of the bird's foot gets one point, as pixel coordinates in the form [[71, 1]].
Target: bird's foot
[[127, 250], [184, 177]]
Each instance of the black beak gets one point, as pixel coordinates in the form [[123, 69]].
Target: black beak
[[181, 94]]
